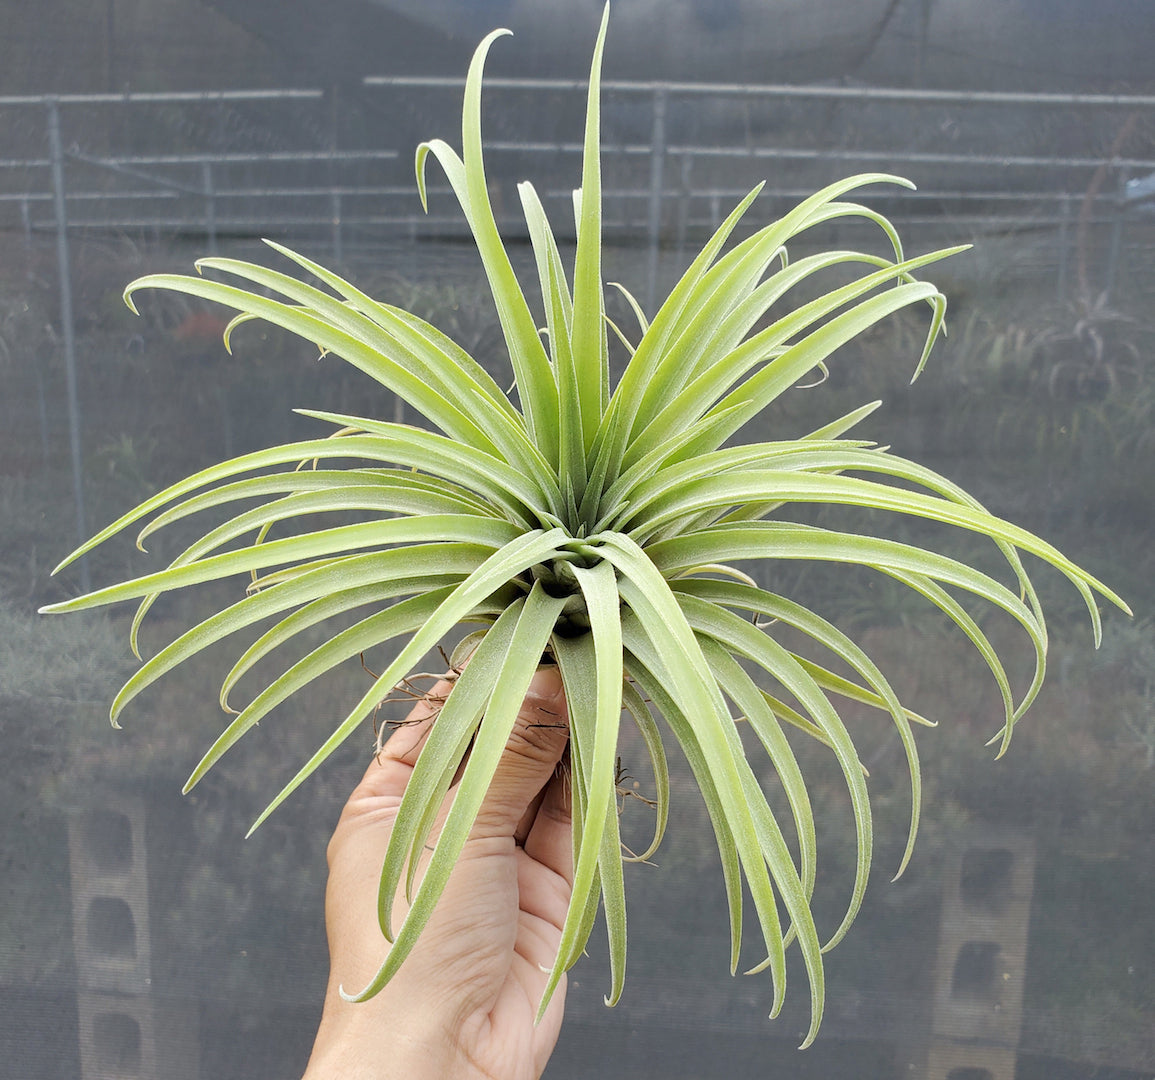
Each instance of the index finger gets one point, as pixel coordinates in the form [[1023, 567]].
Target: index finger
[[389, 771]]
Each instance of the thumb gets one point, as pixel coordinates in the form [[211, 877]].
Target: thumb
[[536, 744]]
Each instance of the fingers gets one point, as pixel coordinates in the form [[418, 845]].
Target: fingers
[[545, 883], [388, 772], [405, 743], [549, 840], [536, 745]]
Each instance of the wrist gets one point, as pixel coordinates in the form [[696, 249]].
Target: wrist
[[359, 1042], [388, 1058]]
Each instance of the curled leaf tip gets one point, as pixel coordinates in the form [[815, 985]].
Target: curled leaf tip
[[419, 165]]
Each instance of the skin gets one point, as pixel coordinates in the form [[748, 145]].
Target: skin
[[462, 1005]]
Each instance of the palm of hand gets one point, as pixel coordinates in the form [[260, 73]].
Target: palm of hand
[[463, 1004]]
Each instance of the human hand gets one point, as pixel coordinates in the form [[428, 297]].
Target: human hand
[[463, 1003]]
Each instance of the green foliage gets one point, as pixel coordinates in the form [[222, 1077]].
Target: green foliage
[[597, 524], [1085, 371], [50, 672], [53, 675]]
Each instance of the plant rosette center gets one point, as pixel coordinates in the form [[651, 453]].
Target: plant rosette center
[[559, 578]]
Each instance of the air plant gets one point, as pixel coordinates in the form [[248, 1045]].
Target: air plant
[[597, 527]]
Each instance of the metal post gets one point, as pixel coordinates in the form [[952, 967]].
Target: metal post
[[335, 216], [921, 43], [334, 194], [210, 206], [56, 153], [657, 164], [683, 206], [1064, 247], [42, 412], [1116, 233], [38, 361], [26, 221]]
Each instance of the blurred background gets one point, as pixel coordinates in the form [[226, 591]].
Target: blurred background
[[140, 936]]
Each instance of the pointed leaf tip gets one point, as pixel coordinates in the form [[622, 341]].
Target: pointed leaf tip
[[420, 157]]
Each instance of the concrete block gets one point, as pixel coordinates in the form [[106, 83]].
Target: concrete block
[[982, 952], [110, 895], [963, 1061]]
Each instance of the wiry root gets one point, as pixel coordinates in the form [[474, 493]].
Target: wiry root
[[621, 778], [407, 690]]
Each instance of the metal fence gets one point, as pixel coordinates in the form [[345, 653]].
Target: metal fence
[[666, 174], [337, 167], [677, 156]]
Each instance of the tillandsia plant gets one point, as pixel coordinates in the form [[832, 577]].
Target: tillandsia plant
[[595, 526]]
